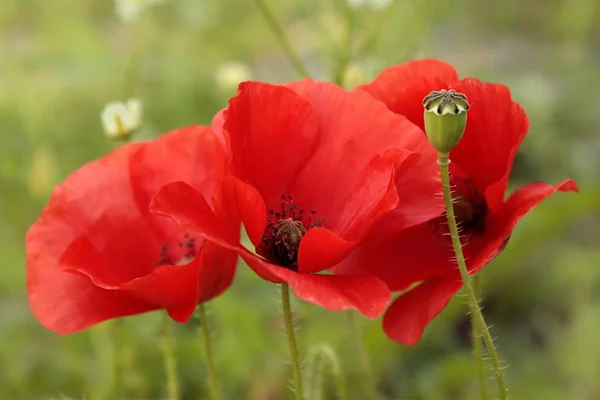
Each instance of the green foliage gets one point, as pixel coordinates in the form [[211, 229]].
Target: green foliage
[[62, 60]]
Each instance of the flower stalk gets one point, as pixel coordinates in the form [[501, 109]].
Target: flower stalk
[[210, 364], [289, 327], [363, 356], [169, 361], [478, 319], [282, 39], [477, 346]]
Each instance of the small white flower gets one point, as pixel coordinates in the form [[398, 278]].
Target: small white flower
[[357, 3], [230, 74], [129, 10], [381, 4], [120, 120], [374, 4]]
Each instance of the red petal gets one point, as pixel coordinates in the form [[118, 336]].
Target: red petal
[[410, 313], [217, 127], [403, 87], [400, 258], [273, 134], [190, 209], [242, 202], [180, 288], [66, 302], [482, 250], [373, 194], [320, 249], [217, 270], [193, 155], [359, 134], [496, 126], [364, 293], [528, 197]]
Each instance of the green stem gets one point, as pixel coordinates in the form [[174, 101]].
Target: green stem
[[478, 320], [372, 32], [105, 349], [289, 327], [169, 360], [345, 56], [336, 371], [132, 69], [212, 373], [363, 356], [477, 346], [282, 39]]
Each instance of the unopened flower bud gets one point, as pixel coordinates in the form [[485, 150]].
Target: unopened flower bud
[[120, 120], [445, 118]]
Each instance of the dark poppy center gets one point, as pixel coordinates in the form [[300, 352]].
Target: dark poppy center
[[179, 252], [284, 231], [470, 209]]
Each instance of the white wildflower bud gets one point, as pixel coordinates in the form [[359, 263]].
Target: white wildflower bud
[[120, 120], [230, 74], [374, 4], [357, 3], [380, 4], [129, 10]]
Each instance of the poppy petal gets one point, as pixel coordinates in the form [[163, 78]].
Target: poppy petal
[[481, 251], [320, 249], [180, 288], [190, 209], [364, 293], [524, 199], [403, 87], [217, 126], [242, 202], [400, 258], [48, 287], [373, 194], [408, 316], [354, 130], [496, 126], [270, 143], [194, 155]]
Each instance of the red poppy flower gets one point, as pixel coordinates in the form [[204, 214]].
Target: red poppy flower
[[97, 253], [314, 168], [481, 166]]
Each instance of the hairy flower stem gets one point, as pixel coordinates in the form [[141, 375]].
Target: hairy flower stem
[[282, 39], [478, 320], [363, 355], [477, 345], [318, 359], [289, 327], [215, 394], [169, 360]]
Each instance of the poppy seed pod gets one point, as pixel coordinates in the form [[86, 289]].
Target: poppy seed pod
[[445, 118]]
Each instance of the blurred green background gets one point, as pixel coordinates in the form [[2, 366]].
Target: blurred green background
[[62, 60]]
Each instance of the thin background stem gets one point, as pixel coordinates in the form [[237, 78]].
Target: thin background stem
[[345, 53], [289, 327], [282, 39], [363, 355], [169, 360], [210, 365], [336, 371], [478, 320]]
